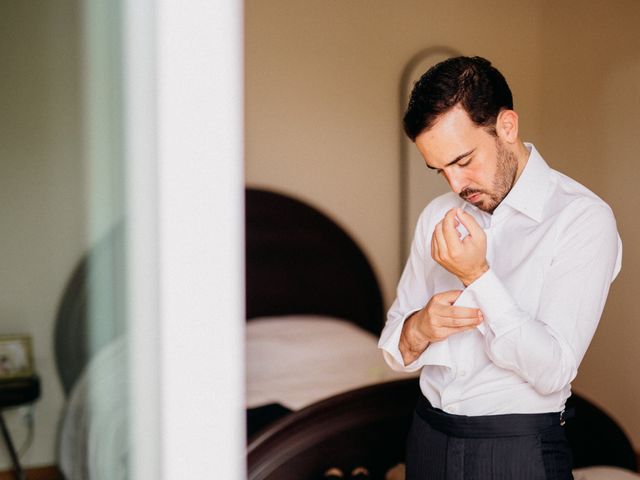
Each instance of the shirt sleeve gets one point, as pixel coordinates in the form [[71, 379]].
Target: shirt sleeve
[[546, 349], [413, 293]]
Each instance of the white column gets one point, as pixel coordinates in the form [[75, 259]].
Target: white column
[[186, 173]]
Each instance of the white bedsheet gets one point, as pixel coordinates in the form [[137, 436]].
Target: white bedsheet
[[297, 360], [94, 433]]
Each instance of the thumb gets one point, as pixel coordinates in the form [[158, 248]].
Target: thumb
[[449, 297], [470, 223]]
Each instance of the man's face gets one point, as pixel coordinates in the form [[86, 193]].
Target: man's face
[[477, 165]]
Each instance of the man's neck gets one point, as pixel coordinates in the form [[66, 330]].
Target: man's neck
[[522, 156]]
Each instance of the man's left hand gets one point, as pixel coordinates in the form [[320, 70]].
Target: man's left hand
[[466, 258]]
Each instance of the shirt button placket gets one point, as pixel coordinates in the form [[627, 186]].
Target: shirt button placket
[[489, 232]]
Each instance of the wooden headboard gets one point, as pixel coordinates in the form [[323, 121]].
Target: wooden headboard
[[299, 261], [96, 290]]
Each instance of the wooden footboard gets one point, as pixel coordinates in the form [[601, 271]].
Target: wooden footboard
[[362, 429]]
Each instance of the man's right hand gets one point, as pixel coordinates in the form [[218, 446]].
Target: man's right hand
[[436, 321]]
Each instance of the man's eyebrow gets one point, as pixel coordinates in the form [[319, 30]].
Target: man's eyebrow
[[455, 160]]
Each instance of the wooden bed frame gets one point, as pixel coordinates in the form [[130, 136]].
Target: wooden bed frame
[[368, 428], [76, 340], [299, 261], [364, 428]]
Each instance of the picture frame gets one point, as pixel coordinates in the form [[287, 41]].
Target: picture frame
[[16, 357]]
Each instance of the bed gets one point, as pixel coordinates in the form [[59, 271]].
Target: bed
[[91, 358], [313, 308], [312, 296]]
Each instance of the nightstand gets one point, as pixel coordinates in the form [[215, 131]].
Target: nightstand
[[15, 392]]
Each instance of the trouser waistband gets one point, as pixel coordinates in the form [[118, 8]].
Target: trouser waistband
[[514, 424]]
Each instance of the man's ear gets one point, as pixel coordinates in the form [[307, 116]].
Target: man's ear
[[507, 126]]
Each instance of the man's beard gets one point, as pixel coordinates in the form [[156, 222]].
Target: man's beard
[[506, 170]]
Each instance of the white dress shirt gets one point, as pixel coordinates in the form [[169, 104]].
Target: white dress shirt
[[553, 250]]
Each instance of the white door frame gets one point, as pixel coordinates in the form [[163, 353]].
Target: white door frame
[[185, 190]]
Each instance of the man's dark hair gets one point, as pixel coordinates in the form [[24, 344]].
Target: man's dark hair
[[471, 82]]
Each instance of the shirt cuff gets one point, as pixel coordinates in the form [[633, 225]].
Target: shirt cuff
[[499, 310], [438, 353], [466, 299]]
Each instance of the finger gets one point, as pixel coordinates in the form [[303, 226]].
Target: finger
[[451, 235], [441, 333], [470, 223], [434, 247], [442, 244], [458, 322], [448, 297], [435, 250], [446, 316], [461, 312]]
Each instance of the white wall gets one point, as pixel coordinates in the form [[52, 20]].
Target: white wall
[[41, 190]]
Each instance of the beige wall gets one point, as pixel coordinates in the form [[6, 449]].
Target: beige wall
[[590, 124], [322, 81], [322, 123], [41, 191]]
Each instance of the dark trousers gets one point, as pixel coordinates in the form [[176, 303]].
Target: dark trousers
[[441, 446]]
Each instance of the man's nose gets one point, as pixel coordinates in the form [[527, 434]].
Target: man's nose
[[456, 181]]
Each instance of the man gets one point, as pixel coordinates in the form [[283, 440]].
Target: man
[[503, 289]]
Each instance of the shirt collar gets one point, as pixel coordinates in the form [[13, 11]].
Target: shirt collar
[[529, 194]]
